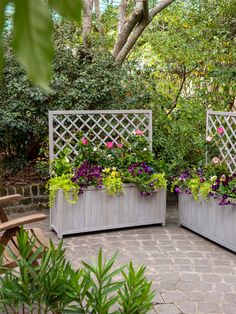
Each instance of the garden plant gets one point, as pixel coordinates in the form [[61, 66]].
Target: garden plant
[[109, 166], [55, 286]]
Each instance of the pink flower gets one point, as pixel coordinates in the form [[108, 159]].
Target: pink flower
[[110, 145], [119, 145], [139, 132], [84, 141], [220, 130]]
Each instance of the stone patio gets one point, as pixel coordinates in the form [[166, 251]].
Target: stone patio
[[189, 273]]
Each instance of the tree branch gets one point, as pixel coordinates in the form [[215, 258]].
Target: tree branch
[[179, 91], [124, 45], [128, 27], [122, 13], [158, 8]]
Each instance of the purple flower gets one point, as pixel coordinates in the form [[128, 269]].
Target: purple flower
[[200, 172], [215, 187], [184, 175], [225, 196], [87, 174], [177, 190]]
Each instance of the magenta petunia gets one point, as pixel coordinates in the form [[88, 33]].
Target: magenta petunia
[[139, 132], [109, 145], [84, 141], [119, 145], [220, 130]]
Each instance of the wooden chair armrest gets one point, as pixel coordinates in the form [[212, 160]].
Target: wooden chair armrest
[[10, 198], [21, 221]]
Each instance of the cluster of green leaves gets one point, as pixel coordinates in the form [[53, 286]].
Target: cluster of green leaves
[[198, 188], [179, 139], [53, 285], [71, 190], [32, 33], [112, 181]]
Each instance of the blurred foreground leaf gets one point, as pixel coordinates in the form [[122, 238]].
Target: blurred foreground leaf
[[69, 9], [32, 34]]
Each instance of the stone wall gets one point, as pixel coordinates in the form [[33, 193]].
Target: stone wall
[[35, 197]]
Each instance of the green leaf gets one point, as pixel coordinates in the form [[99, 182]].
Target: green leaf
[[3, 4], [70, 9], [32, 40]]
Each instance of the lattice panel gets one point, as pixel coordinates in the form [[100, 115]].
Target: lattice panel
[[99, 127], [226, 141]]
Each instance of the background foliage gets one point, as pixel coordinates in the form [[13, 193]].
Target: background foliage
[[183, 65]]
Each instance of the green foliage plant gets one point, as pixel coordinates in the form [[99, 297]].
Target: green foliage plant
[[32, 33], [70, 189], [112, 181], [52, 285], [135, 295]]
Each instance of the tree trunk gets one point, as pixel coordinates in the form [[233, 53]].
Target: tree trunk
[[87, 20]]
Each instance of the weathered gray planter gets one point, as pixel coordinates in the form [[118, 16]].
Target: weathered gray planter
[[209, 219], [96, 210]]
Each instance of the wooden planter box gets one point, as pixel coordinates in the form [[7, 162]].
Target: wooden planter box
[[209, 219], [96, 210]]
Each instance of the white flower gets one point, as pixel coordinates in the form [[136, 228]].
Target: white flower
[[216, 160], [109, 156], [67, 160], [209, 138], [74, 51], [95, 149], [145, 149], [134, 132], [213, 178]]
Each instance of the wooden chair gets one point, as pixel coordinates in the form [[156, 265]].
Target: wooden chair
[[9, 228]]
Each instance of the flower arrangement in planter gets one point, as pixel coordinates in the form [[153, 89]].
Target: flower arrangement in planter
[[109, 167], [213, 180], [111, 186], [207, 200]]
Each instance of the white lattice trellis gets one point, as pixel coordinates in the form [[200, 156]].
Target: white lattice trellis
[[227, 140], [97, 126]]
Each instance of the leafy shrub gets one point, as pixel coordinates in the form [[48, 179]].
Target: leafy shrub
[[55, 286], [180, 138], [83, 79]]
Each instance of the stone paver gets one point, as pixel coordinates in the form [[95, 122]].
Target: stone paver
[[189, 273]]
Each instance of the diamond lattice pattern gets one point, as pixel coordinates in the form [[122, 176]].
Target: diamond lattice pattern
[[67, 128], [226, 142]]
